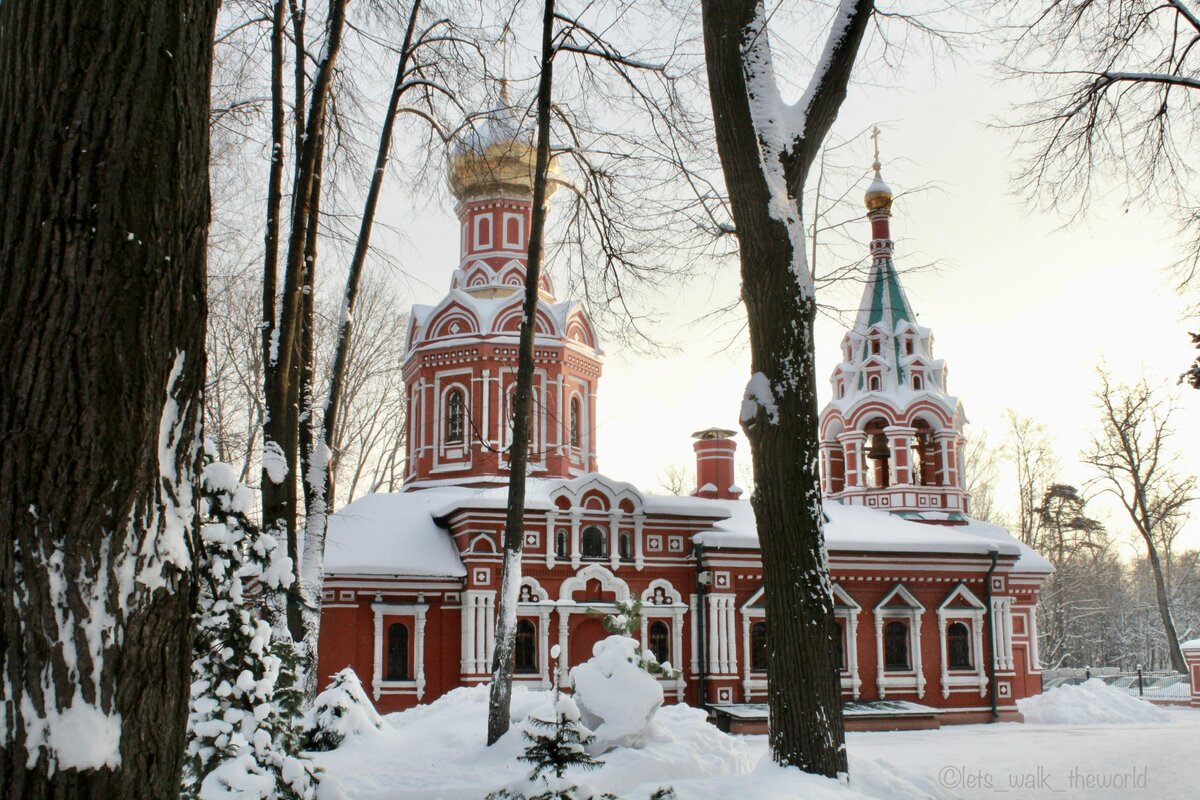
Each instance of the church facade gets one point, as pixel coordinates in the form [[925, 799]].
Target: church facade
[[934, 610]]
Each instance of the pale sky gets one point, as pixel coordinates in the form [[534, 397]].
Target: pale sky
[[1022, 309]]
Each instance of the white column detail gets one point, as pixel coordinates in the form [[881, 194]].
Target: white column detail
[[377, 673], [614, 539], [731, 632], [419, 648], [745, 658], [544, 645], [551, 537], [852, 656], [694, 634], [942, 643], [977, 639], [576, 555], [639, 559], [564, 617], [879, 657], [916, 645]]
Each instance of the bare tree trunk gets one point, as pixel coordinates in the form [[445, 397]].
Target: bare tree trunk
[[500, 697], [765, 180], [104, 211], [281, 368]]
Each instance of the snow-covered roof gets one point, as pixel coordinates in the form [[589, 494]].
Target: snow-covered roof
[[391, 534], [404, 533], [1194, 644], [860, 529]]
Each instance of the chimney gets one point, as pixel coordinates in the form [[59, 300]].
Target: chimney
[[714, 464]]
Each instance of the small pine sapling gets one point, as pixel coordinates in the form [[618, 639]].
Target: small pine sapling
[[561, 743], [242, 736]]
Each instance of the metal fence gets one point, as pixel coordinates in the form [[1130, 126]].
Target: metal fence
[[1162, 685]]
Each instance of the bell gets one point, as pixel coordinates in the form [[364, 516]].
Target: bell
[[879, 448]]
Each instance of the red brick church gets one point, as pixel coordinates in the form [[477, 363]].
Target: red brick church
[[935, 610]]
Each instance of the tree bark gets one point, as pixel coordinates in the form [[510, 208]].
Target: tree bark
[[500, 697], [806, 729], [104, 211]]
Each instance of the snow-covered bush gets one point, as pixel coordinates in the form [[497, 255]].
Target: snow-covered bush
[[243, 739], [340, 711], [617, 697]]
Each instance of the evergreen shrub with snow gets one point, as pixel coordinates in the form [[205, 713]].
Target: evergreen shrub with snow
[[243, 736], [341, 711]]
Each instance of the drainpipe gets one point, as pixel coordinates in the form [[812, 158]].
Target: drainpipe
[[702, 580], [994, 551]]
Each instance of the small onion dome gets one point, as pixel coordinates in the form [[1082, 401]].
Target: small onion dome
[[495, 157], [879, 194]]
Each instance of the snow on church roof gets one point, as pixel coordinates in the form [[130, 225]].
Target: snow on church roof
[[400, 534], [859, 529], [391, 534]]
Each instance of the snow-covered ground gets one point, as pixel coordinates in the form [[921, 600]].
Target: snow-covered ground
[[437, 751]]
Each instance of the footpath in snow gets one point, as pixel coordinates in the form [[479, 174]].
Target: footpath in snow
[[1093, 742]]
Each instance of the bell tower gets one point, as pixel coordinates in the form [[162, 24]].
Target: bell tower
[[460, 365], [891, 437]]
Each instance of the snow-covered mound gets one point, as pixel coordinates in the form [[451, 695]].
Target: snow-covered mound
[[617, 697], [1089, 703]]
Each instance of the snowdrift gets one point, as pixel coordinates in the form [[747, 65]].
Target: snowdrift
[[438, 752], [1090, 703]]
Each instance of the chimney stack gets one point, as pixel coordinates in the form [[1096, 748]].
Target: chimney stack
[[714, 464]]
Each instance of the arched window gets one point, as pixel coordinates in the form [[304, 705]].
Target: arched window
[[918, 383], [560, 544], [455, 416], [658, 636], [895, 647], [873, 383], [397, 652], [512, 232], [875, 347], [593, 542], [525, 648], [625, 547], [958, 646], [574, 423], [758, 647], [839, 646], [483, 232]]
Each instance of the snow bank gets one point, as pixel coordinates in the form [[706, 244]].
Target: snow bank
[[616, 696], [438, 751], [1090, 703]]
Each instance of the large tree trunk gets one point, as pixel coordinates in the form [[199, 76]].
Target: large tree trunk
[[104, 212], [499, 701], [765, 180]]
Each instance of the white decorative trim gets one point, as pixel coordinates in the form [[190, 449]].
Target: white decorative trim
[[911, 611], [578, 581], [417, 611], [973, 616]]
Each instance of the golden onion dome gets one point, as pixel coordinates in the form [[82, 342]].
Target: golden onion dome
[[879, 194], [496, 157]]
